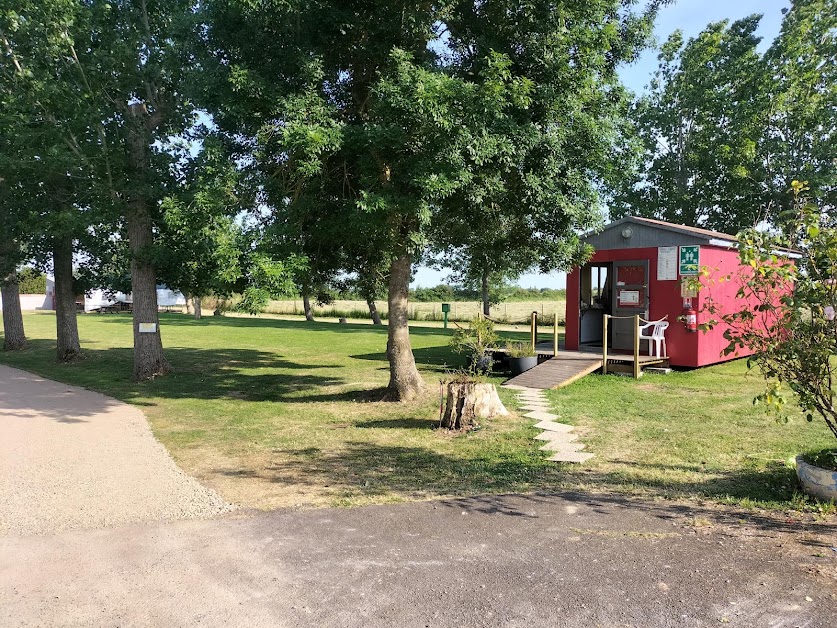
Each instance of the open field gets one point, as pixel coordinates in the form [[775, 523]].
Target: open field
[[511, 312], [286, 413]]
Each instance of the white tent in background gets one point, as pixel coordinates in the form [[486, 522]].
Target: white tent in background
[[98, 299]]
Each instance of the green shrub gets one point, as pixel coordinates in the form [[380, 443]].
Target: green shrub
[[30, 281], [520, 350]]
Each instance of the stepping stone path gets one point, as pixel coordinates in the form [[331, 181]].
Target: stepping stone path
[[558, 438]]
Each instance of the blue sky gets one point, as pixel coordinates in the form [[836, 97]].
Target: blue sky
[[690, 16]]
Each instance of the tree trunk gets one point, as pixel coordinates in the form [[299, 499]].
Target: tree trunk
[[373, 311], [306, 306], [197, 307], [486, 305], [190, 304], [469, 401], [14, 337], [405, 382], [149, 360], [66, 324]]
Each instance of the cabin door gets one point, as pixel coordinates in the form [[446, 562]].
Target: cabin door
[[630, 297]]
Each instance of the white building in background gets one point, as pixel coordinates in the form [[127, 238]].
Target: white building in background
[[30, 302]]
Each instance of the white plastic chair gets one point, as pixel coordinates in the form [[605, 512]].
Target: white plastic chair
[[657, 337]]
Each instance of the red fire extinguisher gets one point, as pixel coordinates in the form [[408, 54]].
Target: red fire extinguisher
[[690, 319]]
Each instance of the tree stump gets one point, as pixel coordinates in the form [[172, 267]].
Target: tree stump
[[469, 401]]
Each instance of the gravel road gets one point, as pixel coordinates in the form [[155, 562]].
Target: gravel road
[[71, 458]]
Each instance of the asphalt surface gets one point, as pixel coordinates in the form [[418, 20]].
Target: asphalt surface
[[509, 561]]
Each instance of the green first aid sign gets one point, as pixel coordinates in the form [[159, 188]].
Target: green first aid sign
[[690, 260]]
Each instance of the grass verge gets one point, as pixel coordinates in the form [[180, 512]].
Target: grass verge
[[287, 413]]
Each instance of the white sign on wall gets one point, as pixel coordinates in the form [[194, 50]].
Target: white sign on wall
[[629, 297], [667, 263]]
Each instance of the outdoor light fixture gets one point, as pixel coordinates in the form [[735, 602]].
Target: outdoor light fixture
[[627, 232]]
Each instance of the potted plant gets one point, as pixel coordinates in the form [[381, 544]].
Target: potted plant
[[478, 341], [522, 357], [787, 318]]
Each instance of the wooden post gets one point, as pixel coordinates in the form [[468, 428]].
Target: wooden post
[[605, 319], [555, 335], [636, 347], [534, 329]]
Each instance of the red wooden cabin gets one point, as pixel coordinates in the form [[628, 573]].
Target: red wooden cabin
[[638, 268]]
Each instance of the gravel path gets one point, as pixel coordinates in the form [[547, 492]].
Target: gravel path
[[71, 459]]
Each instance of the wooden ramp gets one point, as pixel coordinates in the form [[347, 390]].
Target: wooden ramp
[[557, 372]]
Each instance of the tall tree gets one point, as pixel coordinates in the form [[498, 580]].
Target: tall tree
[[701, 124], [46, 154], [530, 186], [802, 114], [200, 245], [119, 68], [136, 58], [354, 106]]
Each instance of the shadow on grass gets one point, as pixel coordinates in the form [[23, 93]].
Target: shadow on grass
[[363, 469], [404, 424], [243, 374], [435, 359], [776, 483]]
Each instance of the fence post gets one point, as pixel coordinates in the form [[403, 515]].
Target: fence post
[[555, 335], [534, 329], [636, 346], [605, 319]]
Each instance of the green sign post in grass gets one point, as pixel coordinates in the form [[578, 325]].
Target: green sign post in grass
[[446, 311]]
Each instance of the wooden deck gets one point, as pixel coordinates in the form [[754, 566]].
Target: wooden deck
[[570, 366]]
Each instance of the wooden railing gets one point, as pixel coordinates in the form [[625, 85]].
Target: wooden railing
[[605, 325]]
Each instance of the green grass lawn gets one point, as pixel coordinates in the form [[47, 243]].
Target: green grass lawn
[[288, 413]]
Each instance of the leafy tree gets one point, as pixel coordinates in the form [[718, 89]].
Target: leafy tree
[[701, 125], [353, 110], [135, 62], [46, 156], [106, 83], [200, 245], [802, 121], [528, 189], [32, 281], [726, 130], [266, 279], [787, 309], [486, 272]]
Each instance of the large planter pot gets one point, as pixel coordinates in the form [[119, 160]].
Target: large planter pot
[[521, 365], [815, 481]]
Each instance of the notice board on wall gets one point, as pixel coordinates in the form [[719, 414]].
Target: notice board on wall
[[667, 263]]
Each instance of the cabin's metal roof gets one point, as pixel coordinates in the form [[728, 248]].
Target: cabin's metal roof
[[722, 239], [649, 232]]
